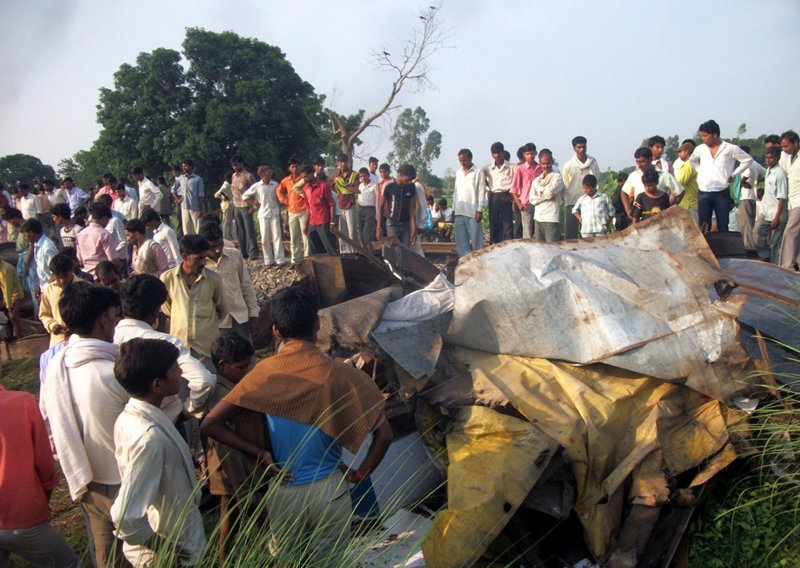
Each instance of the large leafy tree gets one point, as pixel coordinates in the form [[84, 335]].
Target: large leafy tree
[[227, 95], [23, 168], [413, 144]]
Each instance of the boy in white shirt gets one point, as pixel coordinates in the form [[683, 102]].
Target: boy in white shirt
[[269, 216], [772, 212], [593, 209], [367, 200], [156, 510]]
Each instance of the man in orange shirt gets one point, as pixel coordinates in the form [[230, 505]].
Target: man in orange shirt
[[297, 206], [27, 478]]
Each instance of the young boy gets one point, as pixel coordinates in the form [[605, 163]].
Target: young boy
[[229, 471], [772, 212], [651, 201], [367, 217], [593, 209], [400, 206], [446, 219], [63, 269], [321, 207], [621, 219], [68, 230], [156, 510], [264, 194]]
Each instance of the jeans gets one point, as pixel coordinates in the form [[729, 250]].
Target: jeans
[[402, 231], [325, 238], [500, 217], [40, 545], [717, 201], [469, 235], [245, 232]]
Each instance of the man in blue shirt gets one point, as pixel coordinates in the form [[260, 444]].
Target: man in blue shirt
[[192, 193]]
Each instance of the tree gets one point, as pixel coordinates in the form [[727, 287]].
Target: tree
[[411, 145], [23, 168], [228, 95], [410, 67]]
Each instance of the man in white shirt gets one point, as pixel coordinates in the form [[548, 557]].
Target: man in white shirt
[[771, 219], [29, 204], [263, 192], [125, 204], [373, 170], [164, 235], [790, 144], [237, 287], [469, 200], [81, 400], [149, 195], [499, 177], [142, 296], [545, 197], [747, 201], [633, 186], [573, 172], [116, 226], [660, 163], [715, 160]]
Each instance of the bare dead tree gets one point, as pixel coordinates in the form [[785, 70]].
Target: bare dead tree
[[410, 67]]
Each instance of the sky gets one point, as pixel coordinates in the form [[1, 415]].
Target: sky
[[515, 71]]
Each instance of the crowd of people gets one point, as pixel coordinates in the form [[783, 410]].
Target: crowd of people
[[151, 333]]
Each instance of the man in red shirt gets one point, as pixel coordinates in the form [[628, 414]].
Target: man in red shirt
[[27, 478], [321, 207]]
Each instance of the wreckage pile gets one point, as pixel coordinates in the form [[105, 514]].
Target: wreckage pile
[[585, 385]]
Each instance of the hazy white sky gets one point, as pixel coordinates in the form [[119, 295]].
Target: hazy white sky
[[542, 71]]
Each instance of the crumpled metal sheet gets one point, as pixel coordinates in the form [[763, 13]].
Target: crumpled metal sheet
[[415, 346], [637, 300], [613, 426], [349, 324], [495, 460]]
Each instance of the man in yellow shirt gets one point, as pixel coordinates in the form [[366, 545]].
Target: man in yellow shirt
[[195, 303], [13, 294], [63, 269], [687, 177]]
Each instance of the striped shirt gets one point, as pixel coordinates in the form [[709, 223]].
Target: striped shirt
[[595, 211]]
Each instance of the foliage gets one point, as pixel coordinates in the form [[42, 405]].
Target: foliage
[[23, 168], [409, 67], [413, 144], [228, 95]]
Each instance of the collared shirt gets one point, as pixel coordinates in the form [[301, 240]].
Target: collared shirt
[[545, 196], [374, 178], [523, 177], [666, 183], [127, 207], [149, 258], [240, 181], [149, 195], [293, 199], [26, 462], [687, 177], [49, 314], [264, 194], [237, 287], [791, 165], [165, 236], [776, 186], [10, 284], [595, 211], [714, 172], [95, 244], [662, 165], [30, 206], [573, 173], [193, 192], [43, 252], [320, 201], [367, 196], [193, 311], [469, 196], [116, 226], [499, 178], [76, 197]]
